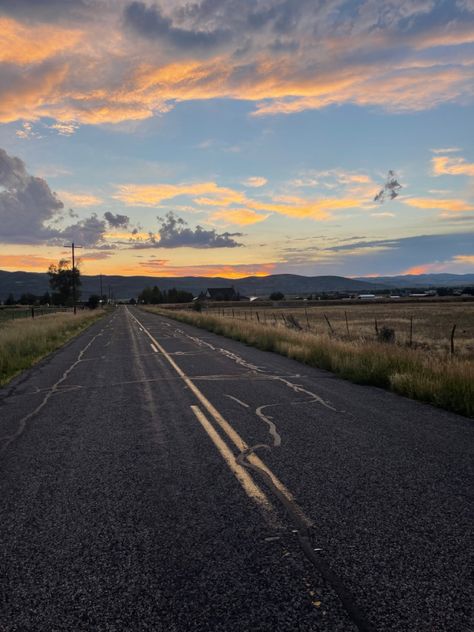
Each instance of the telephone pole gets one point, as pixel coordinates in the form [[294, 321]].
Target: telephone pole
[[73, 248]]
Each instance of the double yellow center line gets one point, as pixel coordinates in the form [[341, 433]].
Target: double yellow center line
[[249, 485]]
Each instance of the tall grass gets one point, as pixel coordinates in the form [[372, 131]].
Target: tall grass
[[445, 382], [23, 342]]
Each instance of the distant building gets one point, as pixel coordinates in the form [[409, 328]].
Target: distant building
[[221, 294], [366, 296]]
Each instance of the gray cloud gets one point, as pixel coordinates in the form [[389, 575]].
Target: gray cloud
[[390, 189], [29, 210], [26, 203], [117, 221], [174, 233], [45, 9], [150, 22]]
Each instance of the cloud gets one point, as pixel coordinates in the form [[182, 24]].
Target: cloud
[[230, 271], [22, 44], [239, 216], [30, 211], [150, 22], [26, 203], [117, 221], [446, 150], [25, 262], [255, 182], [447, 205], [174, 233], [282, 55], [79, 199], [390, 189], [447, 165], [210, 194]]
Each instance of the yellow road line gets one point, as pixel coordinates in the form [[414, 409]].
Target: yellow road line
[[251, 488], [223, 423]]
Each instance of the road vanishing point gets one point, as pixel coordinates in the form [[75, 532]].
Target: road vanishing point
[[158, 477]]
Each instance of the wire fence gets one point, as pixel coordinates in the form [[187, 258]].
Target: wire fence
[[14, 313]]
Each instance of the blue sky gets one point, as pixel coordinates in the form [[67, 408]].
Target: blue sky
[[235, 140]]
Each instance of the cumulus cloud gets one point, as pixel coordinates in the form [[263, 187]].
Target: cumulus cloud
[[175, 233], [30, 211], [117, 221], [26, 203]]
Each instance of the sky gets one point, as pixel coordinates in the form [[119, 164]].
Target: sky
[[238, 137]]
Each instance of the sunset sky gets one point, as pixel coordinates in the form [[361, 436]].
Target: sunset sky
[[237, 137]]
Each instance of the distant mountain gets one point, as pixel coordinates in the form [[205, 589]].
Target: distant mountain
[[423, 280], [128, 286]]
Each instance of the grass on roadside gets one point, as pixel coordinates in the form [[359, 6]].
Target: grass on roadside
[[24, 342], [447, 383]]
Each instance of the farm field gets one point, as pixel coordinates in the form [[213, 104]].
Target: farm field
[[427, 326], [429, 369]]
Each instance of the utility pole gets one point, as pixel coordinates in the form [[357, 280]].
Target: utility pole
[[73, 247], [101, 292]]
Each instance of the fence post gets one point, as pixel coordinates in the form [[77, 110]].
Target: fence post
[[32, 312], [452, 339], [410, 342], [347, 323], [258, 317], [329, 324], [306, 312], [376, 327]]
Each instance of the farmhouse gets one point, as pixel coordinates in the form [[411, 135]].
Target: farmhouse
[[221, 294]]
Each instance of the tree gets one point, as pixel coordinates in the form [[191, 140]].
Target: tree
[[277, 296], [61, 279], [93, 301], [132, 301], [10, 300]]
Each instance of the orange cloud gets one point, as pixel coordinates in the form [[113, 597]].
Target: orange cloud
[[449, 205], [465, 259], [420, 269], [25, 262], [239, 216], [151, 195], [229, 271], [453, 166], [79, 199], [31, 45]]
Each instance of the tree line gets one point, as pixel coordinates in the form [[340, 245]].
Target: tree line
[[155, 296]]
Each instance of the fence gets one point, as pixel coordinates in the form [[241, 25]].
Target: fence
[[14, 313]]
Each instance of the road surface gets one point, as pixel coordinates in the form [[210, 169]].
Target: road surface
[[158, 477]]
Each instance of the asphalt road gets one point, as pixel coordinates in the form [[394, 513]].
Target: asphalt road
[[158, 477]]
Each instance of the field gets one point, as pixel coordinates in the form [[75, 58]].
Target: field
[[25, 341], [419, 365], [13, 313], [426, 326]]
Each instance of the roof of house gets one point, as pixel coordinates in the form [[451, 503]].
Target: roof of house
[[218, 292]]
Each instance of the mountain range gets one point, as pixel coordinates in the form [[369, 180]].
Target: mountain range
[[122, 287]]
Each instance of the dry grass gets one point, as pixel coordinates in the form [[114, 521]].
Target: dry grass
[[432, 322], [414, 372], [23, 342]]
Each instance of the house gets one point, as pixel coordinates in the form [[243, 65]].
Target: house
[[221, 294]]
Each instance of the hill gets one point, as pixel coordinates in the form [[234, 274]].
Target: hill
[[423, 280], [128, 286]]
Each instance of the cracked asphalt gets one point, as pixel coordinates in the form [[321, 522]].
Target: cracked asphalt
[[121, 511]]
